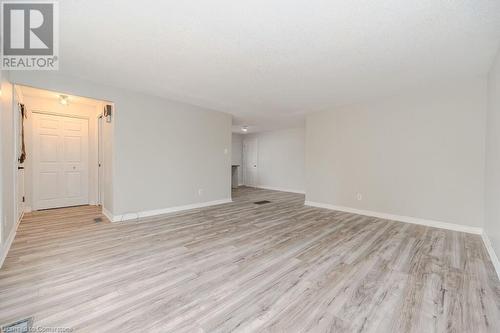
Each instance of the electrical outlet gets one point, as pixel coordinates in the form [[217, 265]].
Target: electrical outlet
[[359, 196], [200, 192]]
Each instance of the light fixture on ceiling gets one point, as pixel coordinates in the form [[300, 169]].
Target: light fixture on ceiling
[[244, 128], [63, 99]]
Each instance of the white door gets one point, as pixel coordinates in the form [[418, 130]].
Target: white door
[[60, 161], [250, 160]]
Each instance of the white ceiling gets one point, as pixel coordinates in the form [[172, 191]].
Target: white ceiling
[[270, 62]]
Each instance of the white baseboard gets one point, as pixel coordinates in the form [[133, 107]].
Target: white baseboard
[[400, 218], [108, 214], [149, 213], [491, 252], [280, 189], [27, 209], [4, 248]]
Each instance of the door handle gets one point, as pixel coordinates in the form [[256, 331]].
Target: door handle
[[20, 168]]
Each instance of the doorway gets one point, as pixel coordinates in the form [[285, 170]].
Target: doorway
[[64, 154]]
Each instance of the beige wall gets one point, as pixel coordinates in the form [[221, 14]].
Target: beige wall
[[421, 154]]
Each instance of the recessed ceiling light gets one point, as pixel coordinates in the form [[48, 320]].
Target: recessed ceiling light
[[63, 99], [244, 128]]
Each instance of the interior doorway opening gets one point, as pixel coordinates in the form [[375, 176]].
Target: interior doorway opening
[[63, 149]]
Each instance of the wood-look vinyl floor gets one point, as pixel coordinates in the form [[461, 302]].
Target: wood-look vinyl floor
[[277, 267]]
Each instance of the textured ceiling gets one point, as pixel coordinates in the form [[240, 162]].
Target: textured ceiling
[[270, 62]]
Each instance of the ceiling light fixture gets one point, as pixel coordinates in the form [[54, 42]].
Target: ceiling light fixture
[[63, 99], [244, 128]]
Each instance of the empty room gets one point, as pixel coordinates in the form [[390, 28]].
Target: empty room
[[257, 166]]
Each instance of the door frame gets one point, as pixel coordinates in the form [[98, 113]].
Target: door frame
[[19, 183], [59, 114], [16, 101], [100, 160], [89, 166], [106, 140]]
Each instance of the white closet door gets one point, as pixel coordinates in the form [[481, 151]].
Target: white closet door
[[60, 161], [250, 160]]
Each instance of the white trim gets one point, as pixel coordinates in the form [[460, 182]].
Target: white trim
[[4, 249], [49, 113], [20, 218], [155, 212], [27, 209], [491, 252], [16, 103], [279, 189], [19, 92], [400, 218], [100, 158], [107, 213]]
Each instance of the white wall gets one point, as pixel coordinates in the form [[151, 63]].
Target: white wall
[[236, 148], [492, 221], [281, 159], [418, 155], [2, 78], [8, 159], [53, 106], [7, 207], [163, 151], [237, 155], [2, 142]]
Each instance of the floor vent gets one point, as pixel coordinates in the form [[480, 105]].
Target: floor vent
[[98, 220], [21, 326], [262, 202]]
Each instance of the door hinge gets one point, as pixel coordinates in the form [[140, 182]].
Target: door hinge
[[23, 198]]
